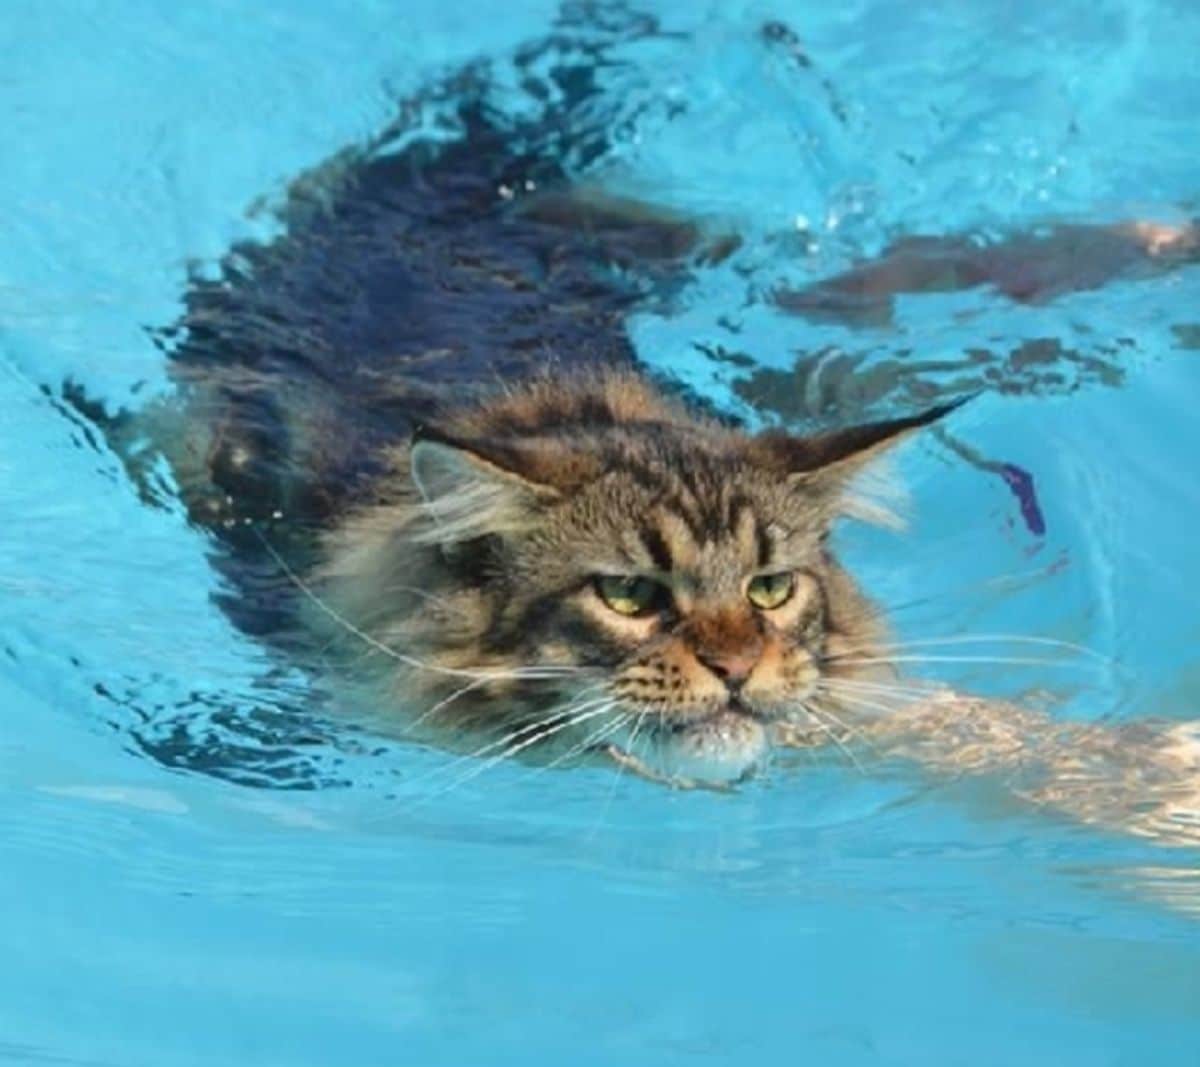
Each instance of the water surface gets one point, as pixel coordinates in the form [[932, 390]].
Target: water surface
[[191, 878]]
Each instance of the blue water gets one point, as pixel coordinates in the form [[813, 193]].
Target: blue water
[[167, 914]]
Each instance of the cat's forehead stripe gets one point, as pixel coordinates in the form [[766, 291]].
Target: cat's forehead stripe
[[656, 547], [679, 539], [686, 508], [742, 526], [671, 542], [764, 546]]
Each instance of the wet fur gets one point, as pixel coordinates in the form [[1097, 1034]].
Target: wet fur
[[415, 425], [430, 301], [506, 511]]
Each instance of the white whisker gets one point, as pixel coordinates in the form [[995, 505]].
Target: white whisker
[[538, 731], [592, 739], [907, 693], [560, 717], [379, 646], [815, 715], [868, 661], [972, 639], [479, 683], [612, 792], [1001, 583], [428, 597], [862, 702]]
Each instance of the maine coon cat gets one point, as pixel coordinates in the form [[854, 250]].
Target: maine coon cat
[[419, 404], [584, 558]]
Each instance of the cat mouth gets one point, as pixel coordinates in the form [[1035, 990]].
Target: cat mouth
[[732, 707], [722, 746]]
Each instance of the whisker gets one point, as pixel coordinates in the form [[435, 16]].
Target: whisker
[[479, 683], [844, 726], [971, 639], [641, 720], [862, 702], [568, 711], [1001, 583], [560, 717], [908, 692], [379, 646], [851, 659], [424, 594], [590, 740], [593, 713], [815, 715], [612, 792], [538, 732], [445, 702]]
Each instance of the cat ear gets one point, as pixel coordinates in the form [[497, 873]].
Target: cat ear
[[472, 489], [826, 463]]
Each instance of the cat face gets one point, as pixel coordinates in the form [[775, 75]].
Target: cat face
[[671, 578]]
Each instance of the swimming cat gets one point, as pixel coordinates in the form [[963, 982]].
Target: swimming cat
[[584, 557], [420, 404], [579, 566], [582, 567]]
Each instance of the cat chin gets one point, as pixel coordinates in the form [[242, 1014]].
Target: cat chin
[[720, 749]]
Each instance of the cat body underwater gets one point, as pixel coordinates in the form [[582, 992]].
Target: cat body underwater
[[417, 429], [551, 550]]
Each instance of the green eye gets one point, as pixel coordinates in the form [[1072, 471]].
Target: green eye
[[770, 591], [633, 597]]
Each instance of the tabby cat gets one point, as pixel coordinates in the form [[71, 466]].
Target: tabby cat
[[584, 560], [419, 404]]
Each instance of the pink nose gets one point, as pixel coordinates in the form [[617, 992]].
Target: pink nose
[[732, 667]]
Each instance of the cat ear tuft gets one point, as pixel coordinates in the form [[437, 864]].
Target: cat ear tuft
[[467, 496], [441, 469], [826, 464], [475, 488], [837, 455]]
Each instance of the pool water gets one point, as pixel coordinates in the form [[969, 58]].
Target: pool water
[[195, 871]]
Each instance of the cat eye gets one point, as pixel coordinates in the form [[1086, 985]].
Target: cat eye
[[770, 591], [633, 597]]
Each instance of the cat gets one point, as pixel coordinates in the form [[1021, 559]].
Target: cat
[[584, 558], [582, 567], [420, 405], [579, 566]]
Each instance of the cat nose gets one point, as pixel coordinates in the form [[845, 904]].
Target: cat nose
[[732, 667]]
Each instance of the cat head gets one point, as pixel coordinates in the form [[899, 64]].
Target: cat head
[[669, 577]]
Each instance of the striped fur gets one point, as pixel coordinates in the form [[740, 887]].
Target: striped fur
[[481, 546]]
